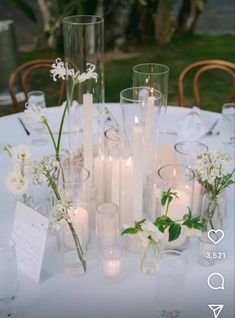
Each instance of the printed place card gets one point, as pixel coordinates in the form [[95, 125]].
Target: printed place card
[[30, 234]]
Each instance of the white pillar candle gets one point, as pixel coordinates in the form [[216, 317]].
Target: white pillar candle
[[79, 218], [88, 129], [137, 171], [108, 178], [177, 209], [196, 199], [147, 135], [126, 192], [99, 165], [115, 181], [179, 205]]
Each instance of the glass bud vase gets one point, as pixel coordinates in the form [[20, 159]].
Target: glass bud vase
[[150, 258], [213, 211], [73, 265]]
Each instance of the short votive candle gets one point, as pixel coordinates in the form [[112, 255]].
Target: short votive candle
[[112, 259]]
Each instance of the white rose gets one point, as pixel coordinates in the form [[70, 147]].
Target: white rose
[[149, 231]]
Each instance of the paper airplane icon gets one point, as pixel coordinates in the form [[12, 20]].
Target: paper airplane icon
[[216, 309]]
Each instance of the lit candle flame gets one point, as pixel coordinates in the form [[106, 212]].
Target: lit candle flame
[[128, 163], [174, 172], [136, 120]]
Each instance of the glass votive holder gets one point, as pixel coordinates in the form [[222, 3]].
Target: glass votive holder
[[111, 263], [186, 153], [207, 251], [179, 179], [107, 224]]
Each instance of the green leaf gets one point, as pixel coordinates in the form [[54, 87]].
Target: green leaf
[[26, 8], [164, 199], [130, 230], [174, 232]]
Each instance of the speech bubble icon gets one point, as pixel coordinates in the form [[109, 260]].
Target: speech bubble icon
[[215, 281]]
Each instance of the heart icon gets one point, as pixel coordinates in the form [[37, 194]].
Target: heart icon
[[216, 236]]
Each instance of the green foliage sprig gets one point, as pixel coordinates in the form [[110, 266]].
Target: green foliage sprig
[[164, 222]]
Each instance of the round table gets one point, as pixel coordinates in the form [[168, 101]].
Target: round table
[[133, 296]]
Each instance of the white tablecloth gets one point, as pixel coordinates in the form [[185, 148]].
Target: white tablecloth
[[60, 296]]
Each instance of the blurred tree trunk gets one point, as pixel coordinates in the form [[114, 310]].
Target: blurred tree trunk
[[189, 15], [164, 22], [51, 23]]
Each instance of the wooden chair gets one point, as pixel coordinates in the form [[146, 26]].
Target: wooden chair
[[24, 73], [201, 67]]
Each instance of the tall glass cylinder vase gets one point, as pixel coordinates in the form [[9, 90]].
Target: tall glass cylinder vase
[[154, 76], [138, 129], [84, 62], [186, 153]]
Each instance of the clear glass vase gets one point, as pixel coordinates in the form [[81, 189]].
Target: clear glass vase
[[150, 258], [213, 211], [84, 47], [74, 230], [73, 250]]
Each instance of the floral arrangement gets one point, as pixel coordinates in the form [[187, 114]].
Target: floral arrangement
[[46, 171], [191, 225], [36, 114], [18, 179], [211, 171]]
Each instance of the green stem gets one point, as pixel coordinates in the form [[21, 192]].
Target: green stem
[[78, 245], [167, 207], [51, 134], [62, 124]]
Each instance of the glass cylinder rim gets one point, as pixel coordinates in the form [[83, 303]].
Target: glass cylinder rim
[[228, 105], [68, 20], [36, 92], [138, 87], [152, 73], [114, 206], [83, 179], [189, 142], [172, 165]]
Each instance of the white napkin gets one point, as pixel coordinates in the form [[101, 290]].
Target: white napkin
[[192, 126]]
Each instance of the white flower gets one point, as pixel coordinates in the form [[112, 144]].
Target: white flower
[[63, 209], [16, 183], [211, 165], [34, 114], [192, 232], [20, 153], [90, 73], [59, 71], [149, 233]]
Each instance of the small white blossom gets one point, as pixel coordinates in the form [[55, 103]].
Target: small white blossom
[[59, 71], [16, 183], [20, 153], [211, 164], [34, 114], [63, 209], [149, 233]]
